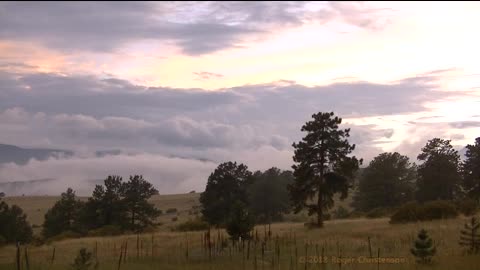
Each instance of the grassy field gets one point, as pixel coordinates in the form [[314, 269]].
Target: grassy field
[[287, 248], [289, 243]]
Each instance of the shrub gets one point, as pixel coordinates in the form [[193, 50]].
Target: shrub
[[3, 241], [108, 230], [150, 229], [38, 241], [83, 261], [438, 210], [378, 212], [174, 219], [423, 248], [65, 235], [468, 207], [341, 213], [429, 211], [300, 217], [192, 225], [357, 214], [171, 210], [406, 213], [470, 236]]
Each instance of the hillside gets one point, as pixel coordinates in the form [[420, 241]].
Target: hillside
[[18, 155]]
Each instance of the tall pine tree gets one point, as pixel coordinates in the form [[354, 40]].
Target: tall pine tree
[[471, 171], [226, 186], [106, 206], [438, 175], [136, 193], [323, 166], [63, 216]]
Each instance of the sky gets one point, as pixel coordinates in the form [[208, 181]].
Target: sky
[[179, 87]]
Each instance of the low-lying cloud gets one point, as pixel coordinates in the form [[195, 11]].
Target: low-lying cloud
[[176, 137]]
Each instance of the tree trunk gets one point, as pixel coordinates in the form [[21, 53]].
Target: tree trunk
[[319, 211], [133, 219], [319, 201]]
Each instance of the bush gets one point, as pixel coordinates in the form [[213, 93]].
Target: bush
[[65, 235], [149, 229], [192, 225], [171, 210], [300, 217], [378, 212], [431, 210], [341, 213], [438, 210], [357, 214], [83, 261], [3, 241], [406, 213], [38, 241], [108, 230], [174, 219], [468, 207]]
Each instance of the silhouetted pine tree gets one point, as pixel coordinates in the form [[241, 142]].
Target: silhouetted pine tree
[[423, 249], [470, 236]]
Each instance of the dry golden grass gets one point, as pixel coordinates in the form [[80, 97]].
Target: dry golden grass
[[339, 238]]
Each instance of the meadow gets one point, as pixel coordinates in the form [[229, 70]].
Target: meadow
[[347, 244]]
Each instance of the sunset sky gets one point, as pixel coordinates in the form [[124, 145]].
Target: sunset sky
[[179, 87]]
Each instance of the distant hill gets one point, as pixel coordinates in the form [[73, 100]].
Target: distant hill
[[21, 156], [22, 187]]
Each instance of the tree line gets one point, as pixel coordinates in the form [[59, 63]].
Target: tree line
[[236, 198], [324, 167], [116, 206], [391, 179]]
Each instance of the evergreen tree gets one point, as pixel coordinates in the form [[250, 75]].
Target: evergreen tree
[[322, 167], [388, 181], [14, 226], [225, 186], [438, 175], [240, 222], [471, 171], [83, 261], [470, 236], [63, 216], [273, 182], [136, 193], [423, 248], [106, 206]]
